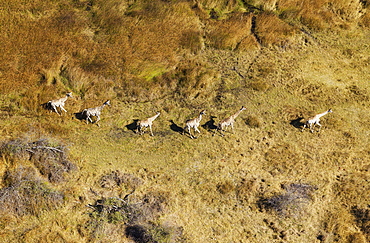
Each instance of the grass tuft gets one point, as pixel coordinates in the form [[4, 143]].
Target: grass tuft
[[362, 216], [253, 121], [118, 179]]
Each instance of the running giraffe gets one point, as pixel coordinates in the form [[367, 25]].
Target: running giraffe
[[94, 112], [315, 120], [193, 123], [229, 121], [54, 104], [146, 123]]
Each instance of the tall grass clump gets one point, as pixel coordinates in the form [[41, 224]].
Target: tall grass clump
[[219, 9], [271, 30], [118, 179], [230, 33]]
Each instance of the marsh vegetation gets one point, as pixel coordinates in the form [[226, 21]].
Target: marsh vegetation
[[62, 180]]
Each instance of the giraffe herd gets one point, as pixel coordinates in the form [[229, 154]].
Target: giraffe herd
[[191, 123]]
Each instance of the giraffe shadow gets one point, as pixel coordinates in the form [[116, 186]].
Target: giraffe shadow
[[47, 106], [210, 125], [80, 116], [174, 127], [133, 125], [297, 123]]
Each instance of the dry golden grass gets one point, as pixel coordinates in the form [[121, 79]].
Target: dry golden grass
[[266, 182], [229, 33], [273, 31]]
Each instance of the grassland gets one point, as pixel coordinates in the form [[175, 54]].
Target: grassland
[[67, 181]]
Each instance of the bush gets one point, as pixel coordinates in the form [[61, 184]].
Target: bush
[[259, 85], [113, 213], [51, 161], [290, 203], [149, 234], [139, 234], [226, 187], [24, 193], [13, 151]]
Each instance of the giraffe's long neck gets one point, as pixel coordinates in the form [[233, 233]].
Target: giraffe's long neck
[[64, 99], [154, 117], [199, 118], [236, 114], [322, 114], [100, 108]]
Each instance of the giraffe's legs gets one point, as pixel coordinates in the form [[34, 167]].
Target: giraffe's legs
[[222, 134], [151, 131], [319, 127], [304, 126], [196, 129], [191, 136], [97, 120], [88, 118], [62, 108], [55, 109], [312, 127]]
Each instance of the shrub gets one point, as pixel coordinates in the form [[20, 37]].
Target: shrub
[[150, 233], [191, 80], [192, 40], [219, 8], [291, 202], [117, 210], [246, 190], [138, 218], [51, 161], [259, 85], [24, 193], [139, 234], [14, 150], [252, 121]]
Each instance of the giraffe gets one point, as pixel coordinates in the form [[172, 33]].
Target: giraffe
[[229, 121], [315, 120], [94, 112], [146, 123], [53, 104], [193, 123]]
